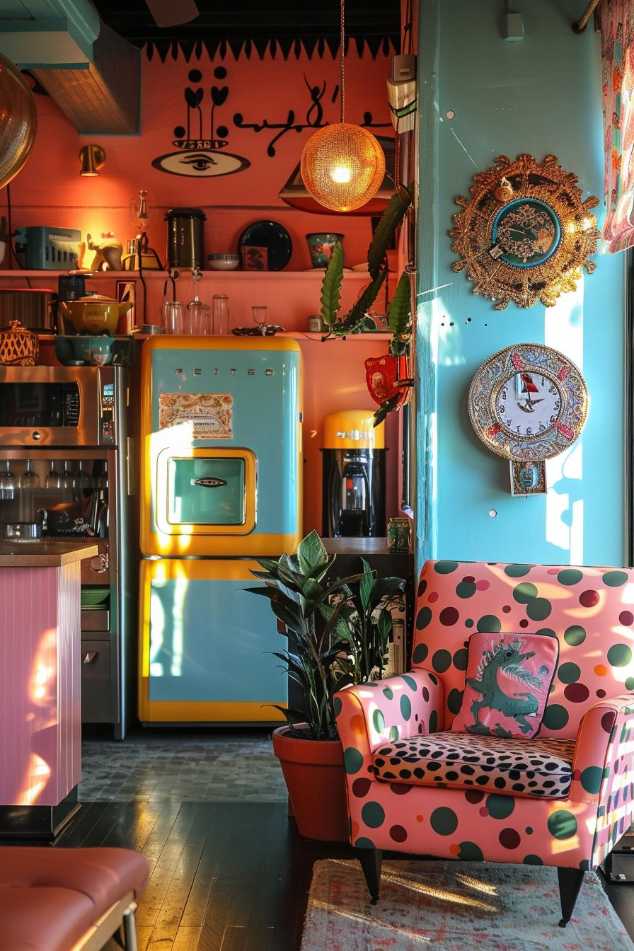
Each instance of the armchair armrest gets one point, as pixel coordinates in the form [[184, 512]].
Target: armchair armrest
[[384, 711], [603, 769]]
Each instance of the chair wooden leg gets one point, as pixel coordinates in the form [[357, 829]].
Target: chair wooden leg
[[129, 930], [371, 864], [570, 881]]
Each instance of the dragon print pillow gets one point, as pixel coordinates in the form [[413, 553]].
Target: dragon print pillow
[[507, 684]]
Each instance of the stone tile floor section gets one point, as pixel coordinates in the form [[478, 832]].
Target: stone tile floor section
[[206, 767]]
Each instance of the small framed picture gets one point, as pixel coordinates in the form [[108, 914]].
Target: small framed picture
[[255, 258]]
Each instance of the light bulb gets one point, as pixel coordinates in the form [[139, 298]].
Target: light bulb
[[341, 174]]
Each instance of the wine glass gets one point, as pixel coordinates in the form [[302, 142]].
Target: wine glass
[[7, 482], [28, 479], [260, 314], [198, 313], [53, 477]]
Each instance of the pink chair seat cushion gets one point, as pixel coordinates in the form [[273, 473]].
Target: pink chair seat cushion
[[507, 684], [540, 768]]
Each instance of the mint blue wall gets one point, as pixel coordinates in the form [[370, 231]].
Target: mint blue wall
[[540, 95]]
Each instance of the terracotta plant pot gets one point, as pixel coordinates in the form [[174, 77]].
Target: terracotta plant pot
[[315, 779]]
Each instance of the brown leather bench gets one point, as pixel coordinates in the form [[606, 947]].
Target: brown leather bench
[[68, 899]]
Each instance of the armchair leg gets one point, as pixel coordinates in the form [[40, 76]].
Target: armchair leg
[[129, 929], [570, 881], [371, 864]]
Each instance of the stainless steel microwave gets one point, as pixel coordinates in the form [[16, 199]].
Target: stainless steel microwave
[[59, 406]]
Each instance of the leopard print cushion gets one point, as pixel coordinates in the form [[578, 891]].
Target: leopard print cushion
[[537, 767]]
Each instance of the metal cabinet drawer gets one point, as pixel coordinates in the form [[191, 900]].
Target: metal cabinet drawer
[[95, 622], [97, 682]]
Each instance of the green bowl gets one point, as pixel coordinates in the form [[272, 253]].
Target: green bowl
[[93, 351]]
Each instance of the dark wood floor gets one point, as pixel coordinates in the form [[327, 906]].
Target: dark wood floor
[[225, 876]]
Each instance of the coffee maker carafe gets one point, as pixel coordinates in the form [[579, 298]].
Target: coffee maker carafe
[[353, 475]]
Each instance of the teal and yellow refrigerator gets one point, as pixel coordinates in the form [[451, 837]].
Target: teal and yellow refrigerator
[[221, 485]]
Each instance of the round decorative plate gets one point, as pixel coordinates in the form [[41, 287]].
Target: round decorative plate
[[525, 232], [528, 402], [272, 236]]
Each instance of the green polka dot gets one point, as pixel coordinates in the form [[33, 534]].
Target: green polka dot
[[460, 659], [420, 653], [411, 683], [575, 635], [406, 707], [629, 683], [393, 733], [570, 576], [614, 579], [433, 722], [468, 622], [470, 852], [524, 592], [454, 700], [500, 807], [562, 824], [546, 632], [423, 618], [489, 624], [466, 589], [378, 721], [538, 609], [373, 814], [388, 692], [517, 571], [619, 655], [445, 567], [337, 705], [352, 760], [441, 661], [569, 673], [364, 843], [444, 821], [591, 779], [533, 860], [555, 717]]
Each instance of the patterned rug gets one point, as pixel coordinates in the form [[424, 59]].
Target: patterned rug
[[214, 767], [450, 906]]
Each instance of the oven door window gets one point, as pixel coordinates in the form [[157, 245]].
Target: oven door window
[[40, 405]]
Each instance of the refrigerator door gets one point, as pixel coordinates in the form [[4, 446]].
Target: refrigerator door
[[207, 403], [207, 645]]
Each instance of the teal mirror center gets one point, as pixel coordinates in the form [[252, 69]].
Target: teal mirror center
[[526, 232]]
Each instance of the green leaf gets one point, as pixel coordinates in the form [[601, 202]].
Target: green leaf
[[355, 319], [386, 228], [312, 555], [331, 287], [366, 584], [398, 311]]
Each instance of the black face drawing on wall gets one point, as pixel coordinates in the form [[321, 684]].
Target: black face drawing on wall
[[197, 155]]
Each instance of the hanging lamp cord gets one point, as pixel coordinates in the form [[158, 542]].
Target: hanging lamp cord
[[342, 54]]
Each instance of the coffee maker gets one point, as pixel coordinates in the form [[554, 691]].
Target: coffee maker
[[353, 475]]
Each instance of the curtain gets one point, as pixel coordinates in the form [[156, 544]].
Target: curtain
[[617, 51]]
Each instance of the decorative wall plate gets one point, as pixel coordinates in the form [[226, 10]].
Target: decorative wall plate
[[525, 233], [528, 403]]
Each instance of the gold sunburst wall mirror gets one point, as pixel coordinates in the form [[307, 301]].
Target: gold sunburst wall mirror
[[525, 233]]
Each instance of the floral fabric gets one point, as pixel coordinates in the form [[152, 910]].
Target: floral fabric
[[617, 50], [507, 684]]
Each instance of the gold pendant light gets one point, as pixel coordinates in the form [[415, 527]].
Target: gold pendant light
[[342, 165]]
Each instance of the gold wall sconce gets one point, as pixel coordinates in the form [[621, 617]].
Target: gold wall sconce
[[92, 158]]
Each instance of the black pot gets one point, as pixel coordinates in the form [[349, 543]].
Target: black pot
[[185, 237]]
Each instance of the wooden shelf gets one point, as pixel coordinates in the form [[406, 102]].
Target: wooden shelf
[[311, 275], [349, 338]]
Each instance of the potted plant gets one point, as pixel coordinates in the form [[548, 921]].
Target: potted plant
[[388, 378], [338, 632]]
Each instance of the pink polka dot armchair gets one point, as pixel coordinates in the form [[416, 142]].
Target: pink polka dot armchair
[[562, 798]]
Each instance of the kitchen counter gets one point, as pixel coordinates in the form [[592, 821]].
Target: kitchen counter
[[45, 554], [40, 684]]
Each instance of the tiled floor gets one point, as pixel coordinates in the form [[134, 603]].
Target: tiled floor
[[199, 767]]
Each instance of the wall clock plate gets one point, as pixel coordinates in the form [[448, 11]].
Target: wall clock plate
[[525, 232], [527, 403]]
